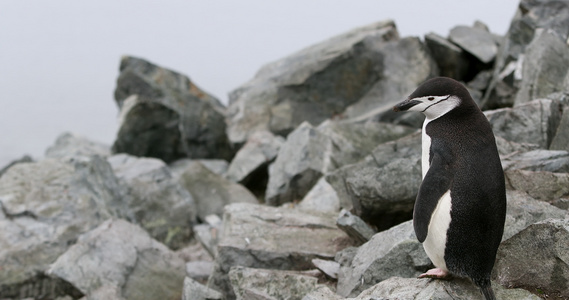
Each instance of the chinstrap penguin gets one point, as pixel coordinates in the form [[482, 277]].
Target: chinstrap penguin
[[460, 209]]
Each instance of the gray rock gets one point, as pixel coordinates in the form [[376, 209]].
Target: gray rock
[[165, 115], [309, 153], [258, 236], [140, 269], [523, 210], [207, 235], [354, 226], [322, 292], [534, 122], [328, 267], [508, 148], [537, 259], [382, 188], [451, 59], [46, 205], [322, 197], [394, 252], [158, 202], [73, 145], [478, 42], [217, 166], [546, 186], [195, 291], [259, 284], [199, 270], [556, 161], [212, 192], [561, 139], [249, 167], [24, 159], [545, 67]]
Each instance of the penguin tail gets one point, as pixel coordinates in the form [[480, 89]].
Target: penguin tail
[[486, 289]]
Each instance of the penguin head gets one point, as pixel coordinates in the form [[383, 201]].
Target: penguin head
[[436, 97]]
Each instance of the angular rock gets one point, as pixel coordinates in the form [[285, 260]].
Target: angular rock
[[164, 115], [312, 152], [252, 284], [24, 159], [561, 139], [249, 167], [217, 166], [534, 122], [451, 59], [354, 226], [208, 237], [328, 267], [212, 192], [546, 186], [258, 236], [538, 160], [195, 291], [508, 148], [73, 145], [46, 205], [394, 252], [537, 259], [140, 269], [312, 85], [158, 202], [545, 67], [382, 188], [322, 292], [476, 41], [322, 197], [199, 270]]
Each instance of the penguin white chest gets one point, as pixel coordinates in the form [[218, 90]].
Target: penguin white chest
[[425, 149]]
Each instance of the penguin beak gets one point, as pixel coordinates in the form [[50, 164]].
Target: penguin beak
[[405, 105]]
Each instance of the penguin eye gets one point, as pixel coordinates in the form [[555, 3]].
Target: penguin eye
[[431, 98]]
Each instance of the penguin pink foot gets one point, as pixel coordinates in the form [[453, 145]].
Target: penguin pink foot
[[437, 273]]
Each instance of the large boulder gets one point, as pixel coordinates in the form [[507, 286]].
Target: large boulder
[[103, 266], [72, 145], [546, 186], [158, 202], [451, 59], [556, 161], [46, 205], [537, 259], [258, 236], [476, 41], [561, 139], [165, 115]]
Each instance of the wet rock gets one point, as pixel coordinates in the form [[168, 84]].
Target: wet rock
[[158, 202], [210, 191], [476, 41], [46, 205], [195, 291], [140, 269], [354, 226], [322, 197], [451, 59], [382, 188], [312, 85], [257, 236], [251, 284], [165, 115], [534, 122], [394, 252], [73, 145], [556, 161], [537, 259], [546, 186]]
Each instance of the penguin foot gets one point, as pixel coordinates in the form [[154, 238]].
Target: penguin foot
[[437, 273]]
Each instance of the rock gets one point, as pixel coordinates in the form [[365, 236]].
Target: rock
[[73, 145], [309, 153], [354, 226], [159, 203], [250, 165], [545, 68], [508, 148], [394, 252], [23, 159], [328, 267], [252, 284], [451, 59], [322, 197], [537, 259], [382, 188], [312, 85], [257, 236], [523, 210], [194, 251], [208, 236], [478, 42], [534, 122], [140, 269], [217, 166], [164, 115], [546, 186], [538, 160], [322, 292], [212, 192], [561, 139], [46, 205], [195, 291], [199, 270]]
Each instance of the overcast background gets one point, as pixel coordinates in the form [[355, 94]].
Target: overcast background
[[59, 59]]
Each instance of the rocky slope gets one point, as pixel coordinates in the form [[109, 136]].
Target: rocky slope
[[303, 187]]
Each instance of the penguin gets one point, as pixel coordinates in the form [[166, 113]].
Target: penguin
[[460, 209]]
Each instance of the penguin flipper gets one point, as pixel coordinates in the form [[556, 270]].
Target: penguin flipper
[[436, 183]]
